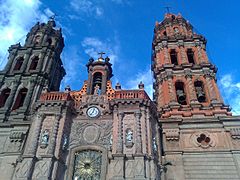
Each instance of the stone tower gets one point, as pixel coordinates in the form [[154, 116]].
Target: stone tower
[[192, 114], [31, 68]]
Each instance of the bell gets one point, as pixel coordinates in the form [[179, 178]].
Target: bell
[[181, 96], [201, 96]]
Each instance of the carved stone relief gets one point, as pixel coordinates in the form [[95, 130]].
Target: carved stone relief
[[41, 169], [203, 139], [88, 133], [23, 168], [172, 134]]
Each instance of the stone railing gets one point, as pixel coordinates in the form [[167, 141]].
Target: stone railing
[[55, 96], [131, 94]]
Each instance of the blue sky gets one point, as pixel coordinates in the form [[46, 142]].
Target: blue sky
[[124, 30]]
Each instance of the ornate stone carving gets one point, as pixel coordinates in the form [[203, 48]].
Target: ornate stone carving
[[235, 133], [44, 139], [203, 140], [23, 168], [85, 133], [16, 140], [172, 134], [129, 137], [41, 170]]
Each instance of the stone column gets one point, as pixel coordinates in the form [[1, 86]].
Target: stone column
[[26, 59], [40, 63], [182, 52], [120, 133], [191, 89], [160, 98], [36, 128], [29, 93], [211, 89], [199, 52], [10, 61], [138, 133], [52, 144], [44, 40], [10, 99], [171, 89], [104, 84], [165, 52], [51, 60]]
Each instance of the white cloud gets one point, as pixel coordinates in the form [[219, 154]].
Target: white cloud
[[146, 78], [16, 18], [87, 7], [92, 46], [231, 92]]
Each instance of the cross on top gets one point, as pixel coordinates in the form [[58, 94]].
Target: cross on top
[[53, 17], [101, 54], [168, 9]]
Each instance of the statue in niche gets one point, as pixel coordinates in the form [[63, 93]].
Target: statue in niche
[[97, 90], [65, 142], [129, 136], [154, 144], [44, 139]]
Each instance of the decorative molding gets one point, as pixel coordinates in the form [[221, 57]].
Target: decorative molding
[[172, 134], [235, 133], [91, 133], [203, 139]]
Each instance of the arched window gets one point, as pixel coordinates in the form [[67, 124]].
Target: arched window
[[34, 63], [190, 55], [200, 91], [37, 39], [49, 41], [181, 96], [18, 64], [20, 98], [173, 56], [97, 83], [4, 96]]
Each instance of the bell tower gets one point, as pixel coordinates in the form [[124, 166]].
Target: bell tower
[[185, 83], [30, 68], [196, 125], [99, 73]]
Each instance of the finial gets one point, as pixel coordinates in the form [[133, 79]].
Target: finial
[[168, 9], [52, 20], [141, 85], [91, 60], [107, 59], [118, 86], [67, 89]]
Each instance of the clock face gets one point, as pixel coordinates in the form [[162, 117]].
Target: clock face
[[93, 112]]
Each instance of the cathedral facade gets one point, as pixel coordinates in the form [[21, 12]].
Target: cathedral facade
[[102, 132]]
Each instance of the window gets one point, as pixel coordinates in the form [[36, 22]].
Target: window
[[49, 42], [97, 83], [37, 39], [87, 165], [34, 63], [190, 55], [4, 96], [18, 64], [20, 98], [173, 56], [200, 91], [181, 96]]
